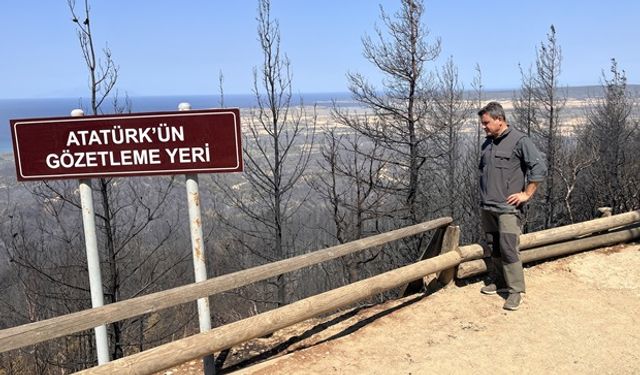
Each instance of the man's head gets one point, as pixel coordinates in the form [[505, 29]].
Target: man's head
[[493, 119]]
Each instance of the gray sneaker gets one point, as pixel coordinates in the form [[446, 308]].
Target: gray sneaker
[[513, 301], [491, 289]]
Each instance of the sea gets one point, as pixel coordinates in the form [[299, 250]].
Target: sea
[[60, 107]]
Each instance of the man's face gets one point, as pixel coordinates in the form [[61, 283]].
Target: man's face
[[492, 126]]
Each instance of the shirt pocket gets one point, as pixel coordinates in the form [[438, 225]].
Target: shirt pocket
[[502, 159]]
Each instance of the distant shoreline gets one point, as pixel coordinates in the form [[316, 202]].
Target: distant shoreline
[[573, 90], [60, 107]]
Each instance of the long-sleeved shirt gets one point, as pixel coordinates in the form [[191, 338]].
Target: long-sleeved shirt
[[508, 162]]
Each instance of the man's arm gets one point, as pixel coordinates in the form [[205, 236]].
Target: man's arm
[[536, 171], [519, 198]]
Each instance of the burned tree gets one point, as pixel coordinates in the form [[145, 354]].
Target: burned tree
[[136, 234], [610, 133], [352, 169], [546, 94], [450, 112], [525, 105], [277, 148], [401, 107]]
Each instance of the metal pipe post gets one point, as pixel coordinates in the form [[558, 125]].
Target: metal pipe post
[[93, 258], [197, 247]]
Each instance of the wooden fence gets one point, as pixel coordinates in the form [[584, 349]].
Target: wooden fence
[[443, 255], [33, 333]]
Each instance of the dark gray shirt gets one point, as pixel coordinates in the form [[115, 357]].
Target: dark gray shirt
[[507, 164]]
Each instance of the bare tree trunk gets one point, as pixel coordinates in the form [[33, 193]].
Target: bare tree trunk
[[526, 111], [450, 112], [546, 93], [277, 151], [401, 128], [609, 133]]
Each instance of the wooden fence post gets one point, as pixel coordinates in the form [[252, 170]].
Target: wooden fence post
[[432, 250], [451, 242], [604, 211]]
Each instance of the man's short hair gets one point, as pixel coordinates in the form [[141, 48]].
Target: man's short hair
[[494, 109]]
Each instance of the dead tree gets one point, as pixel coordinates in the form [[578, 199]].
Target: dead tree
[[610, 133], [478, 90], [526, 110], [548, 96], [574, 160], [278, 144], [103, 73], [450, 112], [400, 108], [352, 170], [525, 106], [136, 233], [471, 158]]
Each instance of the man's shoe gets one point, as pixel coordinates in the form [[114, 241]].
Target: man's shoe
[[491, 289], [513, 301]]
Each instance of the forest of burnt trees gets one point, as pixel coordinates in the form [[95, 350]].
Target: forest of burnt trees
[[406, 154]]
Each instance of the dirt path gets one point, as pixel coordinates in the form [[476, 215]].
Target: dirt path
[[581, 315]]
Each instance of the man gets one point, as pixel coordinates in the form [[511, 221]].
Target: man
[[510, 170]]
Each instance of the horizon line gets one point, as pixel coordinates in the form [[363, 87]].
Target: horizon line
[[293, 94]]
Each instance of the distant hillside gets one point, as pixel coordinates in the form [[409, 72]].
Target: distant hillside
[[576, 92]]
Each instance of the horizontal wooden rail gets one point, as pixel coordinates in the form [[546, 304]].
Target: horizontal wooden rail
[[227, 336], [33, 333], [477, 267], [573, 231]]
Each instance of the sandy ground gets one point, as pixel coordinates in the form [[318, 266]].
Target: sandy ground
[[581, 314]]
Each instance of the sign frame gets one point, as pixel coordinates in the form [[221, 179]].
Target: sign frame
[[220, 115]]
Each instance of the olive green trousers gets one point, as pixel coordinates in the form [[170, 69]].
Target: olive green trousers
[[502, 234]]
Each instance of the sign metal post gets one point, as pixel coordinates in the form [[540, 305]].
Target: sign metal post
[[198, 250], [93, 259]]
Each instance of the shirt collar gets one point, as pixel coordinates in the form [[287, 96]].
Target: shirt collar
[[504, 134]]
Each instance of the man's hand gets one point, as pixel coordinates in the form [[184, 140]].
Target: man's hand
[[518, 198]]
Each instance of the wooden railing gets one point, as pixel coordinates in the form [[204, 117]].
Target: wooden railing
[[566, 240], [443, 255], [33, 333]]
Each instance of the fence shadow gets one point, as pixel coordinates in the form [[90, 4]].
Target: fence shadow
[[281, 348]]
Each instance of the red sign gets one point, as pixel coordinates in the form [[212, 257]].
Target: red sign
[[202, 141]]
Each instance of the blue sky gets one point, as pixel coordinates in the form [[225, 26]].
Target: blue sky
[[179, 47]]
